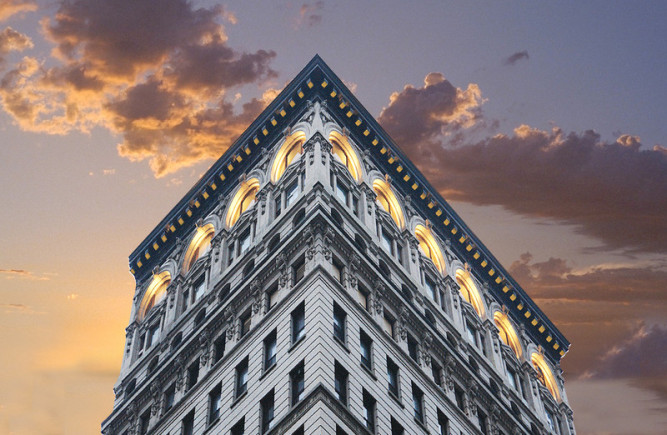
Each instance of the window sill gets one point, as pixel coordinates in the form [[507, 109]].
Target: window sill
[[268, 370], [396, 398], [421, 424], [211, 425], [296, 343], [369, 371], [238, 399], [341, 343]]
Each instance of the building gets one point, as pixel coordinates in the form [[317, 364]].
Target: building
[[313, 282]]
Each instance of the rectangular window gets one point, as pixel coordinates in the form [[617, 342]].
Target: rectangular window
[[270, 350], [399, 252], [219, 347], [291, 194], [298, 323], [214, 404], [271, 296], [188, 424], [396, 428], [199, 288], [230, 253], [153, 335], [458, 395], [366, 348], [244, 241], [442, 301], [266, 412], [244, 322], [430, 288], [340, 431], [443, 424], [169, 396], [241, 378], [355, 205], [418, 403], [338, 270], [144, 421], [388, 325], [342, 193], [392, 377], [193, 374], [387, 242], [472, 334], [297, 383], [340, 383], [362, 296], [412, 349], [278, 205], [511, 377], [301, 430], [238, 428], [369, 411], [299, 269], [436, 371], [481, 418], [550, 421], [339, 319]]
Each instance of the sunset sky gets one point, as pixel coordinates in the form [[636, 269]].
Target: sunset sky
[[544, 125]]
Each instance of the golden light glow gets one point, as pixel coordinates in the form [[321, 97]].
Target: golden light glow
[[507, 332], [388, 201], [469, 291], [292, 147], [430, 247], [244, 198], [155, 292], [545, 374], [199, 246], [342, 148]]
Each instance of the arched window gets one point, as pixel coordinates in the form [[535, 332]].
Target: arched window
[[507, 332], [243, 199], [290, 149], [545, 374], [199, 246], [155, 292], [388, 201], [344, 151], [429, 247], [469, 291]]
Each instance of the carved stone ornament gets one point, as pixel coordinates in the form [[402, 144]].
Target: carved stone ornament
[[449, 371], [325, 148], [426, 345], [260, 197], [281, 264], [255, 291], [355, 261], [204, 345], [155, 397], [402, 324], [179, 364], [378, 294], [230, 322], [328, 242]]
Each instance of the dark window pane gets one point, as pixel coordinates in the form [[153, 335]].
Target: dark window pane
[[340, 381]]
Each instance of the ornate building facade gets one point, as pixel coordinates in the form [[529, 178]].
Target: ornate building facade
[[313, 282]]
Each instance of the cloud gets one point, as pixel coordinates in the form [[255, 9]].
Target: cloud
[[418, 118], [23, 274], [514, 58], [612, 191], [156, 76], [11, 40], [310, 14], [11, 7], [108, 171]]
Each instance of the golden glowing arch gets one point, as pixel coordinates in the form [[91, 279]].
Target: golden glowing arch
[[469, 291], [292, 147], [155, 292], [244, 198], [199, 246], [430, 247], [387, 199], [545, 374], [342, 148], [507, 332]]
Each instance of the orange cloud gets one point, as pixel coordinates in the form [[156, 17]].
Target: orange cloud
[[23, 274], [310, 14], [11, 7], [156, 76]]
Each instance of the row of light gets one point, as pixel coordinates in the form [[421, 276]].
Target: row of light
[[431, 203]]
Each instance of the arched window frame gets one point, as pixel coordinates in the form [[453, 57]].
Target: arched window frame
[[199, 246], [287, 153], [429, 246], [470, 291], [242, 200], [342, 148], [545, 374], [388, 201], [507, 332], [154, 294]]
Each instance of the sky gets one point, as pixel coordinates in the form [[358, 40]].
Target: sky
[[542, 124]]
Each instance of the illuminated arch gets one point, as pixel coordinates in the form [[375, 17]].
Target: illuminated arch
[[469, 291], [155, 292], [341, 147], [292, 147], [507, 332], [243, 198], [430, 247], [199, 246], [545, 374], [387, 199]]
